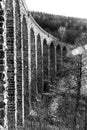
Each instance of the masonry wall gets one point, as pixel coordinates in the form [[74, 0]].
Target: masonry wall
[[2, 75], [18, 62], [10, 63], [23, 42], [25, 68]]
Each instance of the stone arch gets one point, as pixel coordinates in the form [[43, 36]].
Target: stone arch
[[39, 64], [52, 61], [25, 67], [64, 52], [33, 65], [58, 56], [45, 60]]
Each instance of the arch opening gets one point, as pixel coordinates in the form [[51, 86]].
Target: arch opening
[[39, 65], [45, 60], [58, 57], [33, 65], [46, 87], [52, 61], [64, 54]]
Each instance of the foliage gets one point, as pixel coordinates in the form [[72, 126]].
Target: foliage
[[82, 39], [67, 105], [71, 35], [52, 23]]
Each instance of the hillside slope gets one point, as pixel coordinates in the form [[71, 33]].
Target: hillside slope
[[57, 25]]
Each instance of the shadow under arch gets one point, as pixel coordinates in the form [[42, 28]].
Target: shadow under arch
[[64, 52], [33, 65], [45, 60], [58, 56], [52, 61], [45, 67], [39, 64]]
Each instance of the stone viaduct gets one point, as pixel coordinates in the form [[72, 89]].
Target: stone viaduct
[[29, 56]]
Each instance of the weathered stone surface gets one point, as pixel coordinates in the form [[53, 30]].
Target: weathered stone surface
[[25, 68], [19, 63], [26, 62], [2, 104], [10, 54]]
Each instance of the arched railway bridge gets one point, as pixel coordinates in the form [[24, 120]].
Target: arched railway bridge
[[29, 56]]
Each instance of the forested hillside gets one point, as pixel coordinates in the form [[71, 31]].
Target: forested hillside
[[67, 29]]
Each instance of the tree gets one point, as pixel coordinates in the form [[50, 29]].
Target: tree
[[61, 31], [82, 39]]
